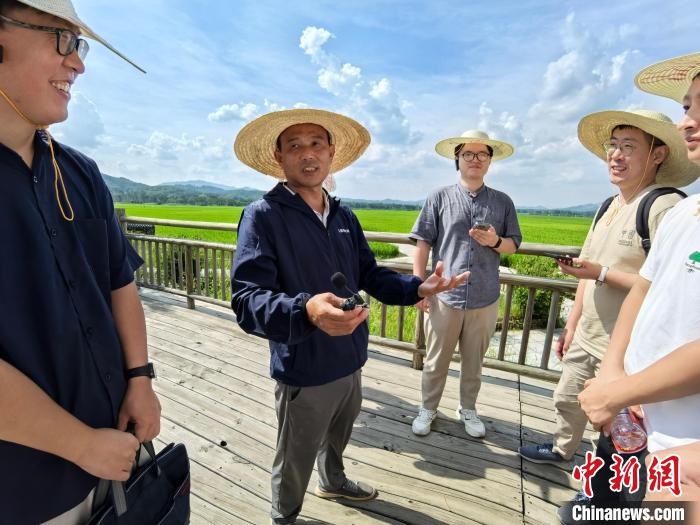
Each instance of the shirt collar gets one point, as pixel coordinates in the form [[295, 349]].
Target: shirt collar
[[323, 217]]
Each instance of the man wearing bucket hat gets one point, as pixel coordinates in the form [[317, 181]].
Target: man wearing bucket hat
[[291, 243], [654, 349], [72, 321], [467, 225], [643, 152]]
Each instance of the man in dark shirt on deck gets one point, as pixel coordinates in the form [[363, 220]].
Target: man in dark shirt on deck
[[71, 323]]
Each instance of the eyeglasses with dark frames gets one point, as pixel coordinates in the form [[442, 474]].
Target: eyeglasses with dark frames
[[481, 156], [66, 40]]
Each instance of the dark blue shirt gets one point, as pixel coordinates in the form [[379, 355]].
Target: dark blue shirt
[[56, 323], [284, 256]]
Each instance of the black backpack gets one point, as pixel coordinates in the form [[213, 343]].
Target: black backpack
[[642, 212]]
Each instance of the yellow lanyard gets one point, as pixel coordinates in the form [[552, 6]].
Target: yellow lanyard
[[58, 176]]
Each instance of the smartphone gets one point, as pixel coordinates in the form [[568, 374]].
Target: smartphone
[[482, 226], [564, 259]]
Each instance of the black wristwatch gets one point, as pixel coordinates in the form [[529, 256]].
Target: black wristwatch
[[500, 240], [141, 371]]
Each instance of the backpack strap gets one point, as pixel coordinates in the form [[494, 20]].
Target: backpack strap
[[644, 210], [601, 211]]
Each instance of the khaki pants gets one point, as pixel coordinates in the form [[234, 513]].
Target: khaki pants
[[77, 515], [577, 367], [445, 327]]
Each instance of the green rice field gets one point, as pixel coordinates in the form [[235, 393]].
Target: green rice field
[[536, 228]]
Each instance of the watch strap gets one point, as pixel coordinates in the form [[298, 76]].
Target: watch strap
[[141, 371], [603, 273]]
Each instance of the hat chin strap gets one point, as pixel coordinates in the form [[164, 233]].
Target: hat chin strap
[[58, 176]]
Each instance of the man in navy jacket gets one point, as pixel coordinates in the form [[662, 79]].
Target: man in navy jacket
[[290, 243]]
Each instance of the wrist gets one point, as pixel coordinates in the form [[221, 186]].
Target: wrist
[[498, 243], [78, 443], [619, 393], [145, 371], [600, 278]]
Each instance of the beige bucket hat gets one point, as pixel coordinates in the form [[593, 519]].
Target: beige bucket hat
[[501, 149], [670, 78], [676, 170], [64, 10], [256, 142]]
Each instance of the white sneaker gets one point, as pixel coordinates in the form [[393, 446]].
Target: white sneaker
[[472, 424], [421, 425]]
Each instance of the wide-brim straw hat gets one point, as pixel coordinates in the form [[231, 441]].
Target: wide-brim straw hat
[[256, 142], [64, 10], [501, 149], [670, 78], [676, 170]]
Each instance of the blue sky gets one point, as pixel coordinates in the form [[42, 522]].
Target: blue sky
[[412, 72]]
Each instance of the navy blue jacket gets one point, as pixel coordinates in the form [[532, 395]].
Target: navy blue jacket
[[284, 256]]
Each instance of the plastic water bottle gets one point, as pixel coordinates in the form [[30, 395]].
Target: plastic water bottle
[[627, 433]]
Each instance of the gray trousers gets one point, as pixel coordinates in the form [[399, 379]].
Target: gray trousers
[[314, 424]]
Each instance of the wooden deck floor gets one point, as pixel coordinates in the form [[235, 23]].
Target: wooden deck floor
[[217, 397]]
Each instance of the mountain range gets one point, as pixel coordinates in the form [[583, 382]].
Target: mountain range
[[204, 193]]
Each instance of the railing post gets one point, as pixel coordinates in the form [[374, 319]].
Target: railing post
[[121, 213], [417, 362], [189, 285]]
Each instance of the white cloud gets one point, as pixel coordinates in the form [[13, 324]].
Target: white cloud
[[85, 128], [380, 89], [373, 102], [229, 112], [162, 146], [504, 126], [337, 80], [589, 75], [312, 40]]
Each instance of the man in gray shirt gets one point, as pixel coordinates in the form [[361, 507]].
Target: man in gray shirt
[[468, 225]]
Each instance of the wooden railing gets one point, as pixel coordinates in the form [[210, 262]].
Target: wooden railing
[[199, 271]]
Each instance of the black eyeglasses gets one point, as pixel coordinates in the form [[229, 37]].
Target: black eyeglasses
[[66, 40], [481, 156]]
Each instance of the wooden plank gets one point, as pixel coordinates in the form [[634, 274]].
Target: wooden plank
[[504, 422], [367, 437], [213, 273], [223, 276], [551, 325], [159, 247], [208, 366], [505, 323], [450, 505], [529, 310], [206, 272]]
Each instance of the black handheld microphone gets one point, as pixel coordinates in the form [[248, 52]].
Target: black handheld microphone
[[339, 281]]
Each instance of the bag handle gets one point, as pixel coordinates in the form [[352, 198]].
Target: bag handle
[[117, 488]]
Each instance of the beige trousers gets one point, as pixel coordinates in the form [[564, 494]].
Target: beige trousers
[[577, 367], [77, 515], [445, 327]]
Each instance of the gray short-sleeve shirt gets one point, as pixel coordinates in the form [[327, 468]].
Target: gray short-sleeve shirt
[[444, 222]]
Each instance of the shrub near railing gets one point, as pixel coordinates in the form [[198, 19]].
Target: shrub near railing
[[199, 271]]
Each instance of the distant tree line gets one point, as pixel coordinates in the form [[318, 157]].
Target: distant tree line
[[125, 190]]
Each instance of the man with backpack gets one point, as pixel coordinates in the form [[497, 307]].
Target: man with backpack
[[644, 153]]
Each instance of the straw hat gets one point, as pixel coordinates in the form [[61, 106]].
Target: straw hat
[[670, 78], [64, 10], [676, 170], [501, 150], [256, 142]]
